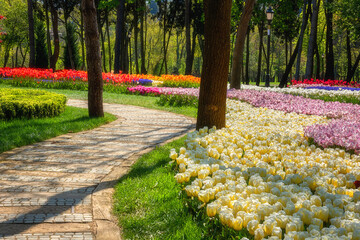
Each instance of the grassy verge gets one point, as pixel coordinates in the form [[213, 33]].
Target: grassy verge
[[136, 100], [22, 132], [150, 204]]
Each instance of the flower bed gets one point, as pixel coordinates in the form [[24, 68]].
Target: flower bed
[[322, 82], [260, 173]]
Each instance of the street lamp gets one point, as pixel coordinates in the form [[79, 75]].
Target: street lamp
[[269, 17]]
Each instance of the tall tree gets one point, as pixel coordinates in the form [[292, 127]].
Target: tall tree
[[143, 14], [119, 61], [312, 40], [237, 60], [93, 59], [330, 62], [212, 98], [41, 53], [55, 26], [189, 57], [306, 11], [31, 33]]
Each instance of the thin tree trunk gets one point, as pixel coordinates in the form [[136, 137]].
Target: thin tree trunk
[[284, 78], [120, 36], [353, 69], [71, 57], [55, 23], [16, 56], [108, 37], [31, 33], [286, 51], [317, 61], [261, 33], [212, 97], [301, 36], [247, 79], [189, 57], [142, 43], [93, 59], [290, 53], [103, 49], [48, 39], [83, 67], [237, 63], [330, 62], [312, 40], [136, 31], [164, 36], [348, 51]]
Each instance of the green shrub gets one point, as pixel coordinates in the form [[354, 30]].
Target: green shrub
[[182, 84], [16, 103], [177, 100]]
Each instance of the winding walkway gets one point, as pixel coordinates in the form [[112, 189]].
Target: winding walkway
[[62, 188]]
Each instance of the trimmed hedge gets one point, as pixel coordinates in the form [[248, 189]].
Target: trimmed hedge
[[17, 103]]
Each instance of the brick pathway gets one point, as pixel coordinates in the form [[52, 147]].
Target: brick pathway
[[62, 188]]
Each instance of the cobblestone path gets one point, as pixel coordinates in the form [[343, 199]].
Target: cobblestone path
[[62, 188]]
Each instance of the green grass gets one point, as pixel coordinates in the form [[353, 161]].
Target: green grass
[[22, 132], [136, 100], [150, 204]]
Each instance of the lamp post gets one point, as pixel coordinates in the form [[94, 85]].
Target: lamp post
[[269, 17]]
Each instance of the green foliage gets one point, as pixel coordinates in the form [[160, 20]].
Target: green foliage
[[349, 12], [16, 103], [72, 43], [41, 53], [179, 84], [20, 132], [177, 100]]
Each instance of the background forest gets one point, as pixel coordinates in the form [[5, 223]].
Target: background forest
[[167, 37]]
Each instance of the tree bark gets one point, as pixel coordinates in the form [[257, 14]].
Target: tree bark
[[236, 69], [93, 59], [120, 37], [189, 57], [330, 62], [301, 36], [312, 40], [136, 31], [164, 37], [213, 86], [31, 33], [82, 39], [55, 23], [261, 34]]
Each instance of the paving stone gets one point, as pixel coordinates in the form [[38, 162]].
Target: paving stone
[[50, 236]]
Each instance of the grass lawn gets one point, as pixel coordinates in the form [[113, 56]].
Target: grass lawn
[[126, 99], [22, 132]]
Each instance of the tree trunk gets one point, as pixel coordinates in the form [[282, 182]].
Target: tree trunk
[[284, 78], [312, 40], [189, 57], [348, 51], [48, 39], [82, 40], [142, 44], [212, 98], [317, 61], [103, 49], [108, 37], [31, 33], [247, 79], [136, 31], [301, 36], [236, 69], [164, 37], [330, 62], [55, 23], [71, 57], [120, 37], [261, 34], [93, 59], [353, 69]]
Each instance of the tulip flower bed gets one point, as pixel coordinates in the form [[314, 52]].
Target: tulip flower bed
[[261, 174], [322, 82], [184, 81]]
